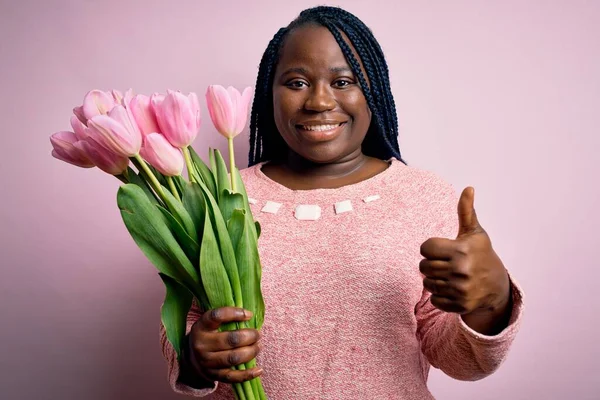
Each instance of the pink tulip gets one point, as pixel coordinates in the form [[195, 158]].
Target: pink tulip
[[228, 109], [178, 117], [116, 132], [64, 149], [104, 159], [157, 150], [96, 102], [144, 114]]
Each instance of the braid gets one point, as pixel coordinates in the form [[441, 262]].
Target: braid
[[381, 140], [261, 118]]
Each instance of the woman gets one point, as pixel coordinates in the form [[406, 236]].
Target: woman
[[369, 274]]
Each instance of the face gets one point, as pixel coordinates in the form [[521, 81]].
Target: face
[[319, 107]]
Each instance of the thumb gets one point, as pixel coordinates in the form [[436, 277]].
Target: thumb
[[467, 218]]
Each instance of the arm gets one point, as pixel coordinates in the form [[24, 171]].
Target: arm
[[458, 350], [470, 309]]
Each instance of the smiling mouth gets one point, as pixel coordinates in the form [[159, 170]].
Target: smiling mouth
[[320, 133], [319, 128]]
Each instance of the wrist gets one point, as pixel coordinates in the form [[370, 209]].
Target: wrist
[[188, 373]]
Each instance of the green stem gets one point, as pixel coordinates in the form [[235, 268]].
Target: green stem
[[239, 391], [173, 188], [189, 164], [150, 176], [231, 164]]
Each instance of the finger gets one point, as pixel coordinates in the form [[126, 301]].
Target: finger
[[436, 269], [232, 340], [229, 375], [438, 249], [440, 288], [446, 304], [213, 319], [229, 358], [467, 218]]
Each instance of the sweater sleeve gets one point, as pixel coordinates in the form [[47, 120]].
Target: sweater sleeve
[[447, 341], [173, 367]]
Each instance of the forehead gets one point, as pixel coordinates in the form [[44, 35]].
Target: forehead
[[312, 46]]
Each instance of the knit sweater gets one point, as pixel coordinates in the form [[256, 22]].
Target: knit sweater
[[346, 315]]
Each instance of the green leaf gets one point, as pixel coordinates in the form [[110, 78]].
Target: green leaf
[[224, 243], [214, 276], [189, 245], [204, 172], [241, 188], [149, 230], [229, 202], [223, 182], [145, 186], [180, 213], [174, 310], [248, 262], [195, 204], [213, 162], [180, 183]]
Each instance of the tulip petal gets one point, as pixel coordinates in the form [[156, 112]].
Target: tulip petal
[[78, 111], [195, 104], [64, 149], [97, 102], [115, 132], [79, 128], [220, 108], [177, 118], [104, 159], [167, 159], [243, 110], [144, 114]]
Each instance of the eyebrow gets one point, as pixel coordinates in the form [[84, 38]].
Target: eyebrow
[[300, 70]]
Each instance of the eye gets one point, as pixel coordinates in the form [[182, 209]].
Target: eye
[[342, 83], [296, 84]]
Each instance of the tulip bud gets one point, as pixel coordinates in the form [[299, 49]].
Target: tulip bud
[[144, 114], [228, 109], [178, 117], [116, 131], [97, 102], [157, 150], [104, 159], [64, 149]]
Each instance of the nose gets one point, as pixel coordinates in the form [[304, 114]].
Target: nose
[[320, 98]]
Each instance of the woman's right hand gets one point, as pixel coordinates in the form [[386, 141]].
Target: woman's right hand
[[212, 353]]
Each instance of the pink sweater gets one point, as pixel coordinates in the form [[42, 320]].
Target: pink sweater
[[346, 315]]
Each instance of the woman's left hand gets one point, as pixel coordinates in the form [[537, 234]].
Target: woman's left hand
[[465, 275]]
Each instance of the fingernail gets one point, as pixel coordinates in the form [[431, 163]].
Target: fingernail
[[247, 314], [258, 372]]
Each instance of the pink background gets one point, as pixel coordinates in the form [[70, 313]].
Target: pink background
[[501, 95]]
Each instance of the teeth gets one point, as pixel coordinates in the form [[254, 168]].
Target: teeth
[[319, 127]]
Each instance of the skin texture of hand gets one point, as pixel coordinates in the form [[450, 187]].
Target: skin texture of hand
[[210, 354], [465, 275]]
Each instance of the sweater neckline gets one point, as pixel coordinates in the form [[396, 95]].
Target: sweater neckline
[[369, 182]]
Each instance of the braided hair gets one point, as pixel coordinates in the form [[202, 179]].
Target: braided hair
[[381, 140]]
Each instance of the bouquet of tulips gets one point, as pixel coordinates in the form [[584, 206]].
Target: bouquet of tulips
[[198, 231]]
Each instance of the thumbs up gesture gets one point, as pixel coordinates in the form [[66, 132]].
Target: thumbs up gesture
[[465, 275]]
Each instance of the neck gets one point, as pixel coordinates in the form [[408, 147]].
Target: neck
[[337, 169]]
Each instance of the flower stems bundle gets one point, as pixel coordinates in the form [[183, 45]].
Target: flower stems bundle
[[198, 230]]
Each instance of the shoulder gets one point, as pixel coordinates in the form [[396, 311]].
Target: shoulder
[[420, 181]]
